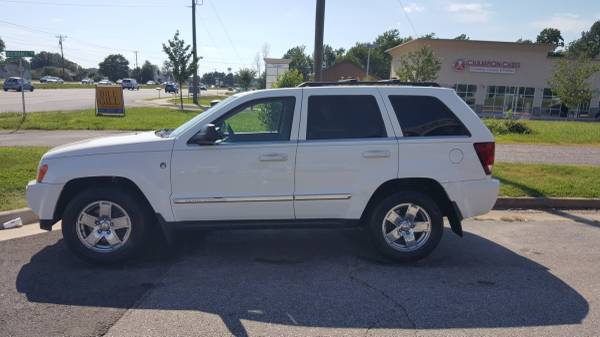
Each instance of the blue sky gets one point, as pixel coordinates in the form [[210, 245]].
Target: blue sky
[[231, 32]]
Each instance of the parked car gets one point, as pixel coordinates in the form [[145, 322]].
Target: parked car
[[150, 83], [395, 159], [105, 82], [171, 87], [51, 79], [87, 81], [130, 83], [17, 84]]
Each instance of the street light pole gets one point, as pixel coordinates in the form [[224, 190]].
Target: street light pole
[[370, 46]]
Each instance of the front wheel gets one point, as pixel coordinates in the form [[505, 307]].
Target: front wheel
[[406, 226], [105, 225]]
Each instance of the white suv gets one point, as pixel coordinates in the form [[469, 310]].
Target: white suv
[[393, 158]]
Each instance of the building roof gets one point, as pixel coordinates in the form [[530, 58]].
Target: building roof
[[544, 46], [277, 61]]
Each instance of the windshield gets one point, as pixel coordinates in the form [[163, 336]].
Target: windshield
[[185, 126]]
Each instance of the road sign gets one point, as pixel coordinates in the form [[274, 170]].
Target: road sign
[[19, 53], [109, 100]]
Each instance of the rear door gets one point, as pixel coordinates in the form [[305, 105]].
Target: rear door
[[346, 149]]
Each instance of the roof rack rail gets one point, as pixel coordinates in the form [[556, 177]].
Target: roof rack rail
[[352, 81]]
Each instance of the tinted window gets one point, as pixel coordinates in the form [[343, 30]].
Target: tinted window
[[422, 116], [337, 117], [268, 119]]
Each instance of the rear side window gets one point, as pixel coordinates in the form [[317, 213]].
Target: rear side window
[[344, 116], [426, 116]]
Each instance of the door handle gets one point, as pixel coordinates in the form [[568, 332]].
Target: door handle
[[273, 157], [376, 154]]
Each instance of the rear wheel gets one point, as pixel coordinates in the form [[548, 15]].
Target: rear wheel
[[406, 226], [105, 225]]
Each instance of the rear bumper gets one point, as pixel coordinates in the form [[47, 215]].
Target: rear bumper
[[473, 197], [42, 198]]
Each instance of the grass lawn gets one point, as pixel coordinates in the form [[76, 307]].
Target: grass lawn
[[17, 167], [135, 119], [556, 132], [547, 180]]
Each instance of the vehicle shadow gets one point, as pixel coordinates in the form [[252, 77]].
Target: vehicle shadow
[[317, 278]]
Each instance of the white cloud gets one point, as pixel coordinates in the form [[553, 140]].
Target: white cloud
[[566, 22], [413, 8], [469, 12]]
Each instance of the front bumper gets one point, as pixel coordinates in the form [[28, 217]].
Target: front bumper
[[473, 197], [42, 199]]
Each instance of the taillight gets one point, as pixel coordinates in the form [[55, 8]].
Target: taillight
[[485, 152], [42, 173]]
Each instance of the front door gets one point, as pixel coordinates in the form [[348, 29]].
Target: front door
[[249, 174]]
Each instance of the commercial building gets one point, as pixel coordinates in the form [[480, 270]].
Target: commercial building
[[497, 77], [345, 70], [275, 68]]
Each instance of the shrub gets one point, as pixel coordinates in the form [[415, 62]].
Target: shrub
[[507, 126]]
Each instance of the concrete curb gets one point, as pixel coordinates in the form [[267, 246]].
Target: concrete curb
[[544, 203], [28, 217]]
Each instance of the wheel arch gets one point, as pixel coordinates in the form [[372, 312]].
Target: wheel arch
[[74, 186], [427, 185]]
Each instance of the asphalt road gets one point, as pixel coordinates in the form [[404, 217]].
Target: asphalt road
[[504, 278], [75, 99]]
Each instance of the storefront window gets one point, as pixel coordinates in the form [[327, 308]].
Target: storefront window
[[467, 93], [551, 104], [500, 99]]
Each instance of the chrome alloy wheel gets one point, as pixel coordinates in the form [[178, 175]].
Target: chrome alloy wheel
[[406, 227], [103, 226]]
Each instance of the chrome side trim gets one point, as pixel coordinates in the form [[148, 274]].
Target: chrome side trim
[[305, 197], [213, 200], [313, 197]]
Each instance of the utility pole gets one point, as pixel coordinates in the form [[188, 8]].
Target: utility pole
[[136, 52], [61, 38], [195, 54], [319, 27]]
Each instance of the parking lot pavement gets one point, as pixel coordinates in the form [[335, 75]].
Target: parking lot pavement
[[511, 277], [51, 138]]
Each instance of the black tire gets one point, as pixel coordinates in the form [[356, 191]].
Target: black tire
[[5, 89], [31, 89], [128, 201], [427, 204]]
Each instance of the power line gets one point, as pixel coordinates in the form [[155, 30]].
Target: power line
[[408, 18], [224, 30], [68, 4]]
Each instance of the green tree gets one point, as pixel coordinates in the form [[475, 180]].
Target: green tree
[[245, 77], [588, 45], [114, 67], [420, 65], [525, 41], [380, 59], [300, 60], [289, 79], [179, 55], [551, 36], [570, 81], [462, 37], [148, 72]]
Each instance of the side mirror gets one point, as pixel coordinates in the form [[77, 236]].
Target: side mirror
[[208, 135]]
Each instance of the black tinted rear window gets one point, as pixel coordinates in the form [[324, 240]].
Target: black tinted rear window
[[344, 116], [426, 116]]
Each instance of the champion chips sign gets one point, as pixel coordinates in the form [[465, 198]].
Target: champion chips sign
[[486, 66]]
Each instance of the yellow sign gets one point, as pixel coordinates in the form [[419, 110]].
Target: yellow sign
[[109, 100]]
